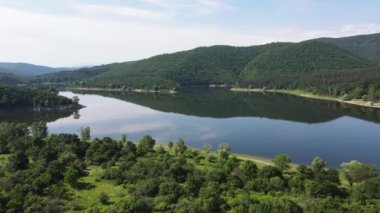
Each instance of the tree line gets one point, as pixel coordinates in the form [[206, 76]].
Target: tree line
[[34, 98]]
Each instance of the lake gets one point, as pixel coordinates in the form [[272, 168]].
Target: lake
[[252, 123]]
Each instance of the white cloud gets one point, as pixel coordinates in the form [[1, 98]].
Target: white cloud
[[359, 29], [192, 6], [345, 30], [70, 40], [120, 10], [146, 127], [301, 6]]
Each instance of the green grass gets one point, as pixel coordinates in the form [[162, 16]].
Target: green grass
[[4, 159], [89, 197], [260, 161]]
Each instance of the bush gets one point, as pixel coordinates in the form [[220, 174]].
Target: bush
[[104, 198], [346, 97]]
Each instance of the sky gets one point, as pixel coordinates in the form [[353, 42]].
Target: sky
[[62, 33]]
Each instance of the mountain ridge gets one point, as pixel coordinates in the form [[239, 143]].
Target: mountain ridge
[[366, 46], [27, 69], [322, 65]]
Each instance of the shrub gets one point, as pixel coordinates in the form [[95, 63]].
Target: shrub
[[104, 198]]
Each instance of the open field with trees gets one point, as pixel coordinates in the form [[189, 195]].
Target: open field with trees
[[42, 172]]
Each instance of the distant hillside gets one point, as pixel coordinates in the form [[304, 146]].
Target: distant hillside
[[200, 66], [72, 76], [366, 46], [280, 65], [24, 69], [303, 65], [10, 79], [324, 66]]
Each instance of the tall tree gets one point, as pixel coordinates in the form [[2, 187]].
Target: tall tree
[[145, 145], [356, 172], [224, 151], [85, 134], [180, 147], [39, 129], [318, 165], [282, 162]]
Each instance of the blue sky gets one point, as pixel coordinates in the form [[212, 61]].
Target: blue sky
[[89, 32]]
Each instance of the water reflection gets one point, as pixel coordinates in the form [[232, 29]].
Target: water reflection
[[220, 103], [30, 115], [256, 124]]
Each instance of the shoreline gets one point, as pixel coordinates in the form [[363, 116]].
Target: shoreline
[[304, 94], [122, 90], [298, 93]]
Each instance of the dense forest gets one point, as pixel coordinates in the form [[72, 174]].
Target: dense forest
[[277, 65], [75, 77], [366, 46], [10, 79], [347, 67], [25, 69], [34, 98], [316, 66], [64, 172]]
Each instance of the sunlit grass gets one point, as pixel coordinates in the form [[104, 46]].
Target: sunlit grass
[[89, 196], [4, 159]]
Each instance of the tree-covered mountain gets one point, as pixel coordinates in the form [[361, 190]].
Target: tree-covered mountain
[[305, 65], [323, 67], [24, 69], [72, 76], [315, 65], [366, 46], [200, 66], [10, 79]]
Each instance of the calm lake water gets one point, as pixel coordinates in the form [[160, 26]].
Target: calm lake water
[[256, 124]]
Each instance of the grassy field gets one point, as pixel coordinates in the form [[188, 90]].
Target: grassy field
[[259, 161], [88, 195], [92, 185]]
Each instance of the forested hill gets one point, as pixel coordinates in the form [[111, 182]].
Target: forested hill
[[34, 98], [10, 79], [280, 65], [316, 65], [72, 76], [25, 69], [366, 46], [200, 66], [13, 74]]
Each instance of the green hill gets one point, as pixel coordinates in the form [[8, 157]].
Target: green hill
[[305, 64], [10, 79], [366, 46], [200, 66], [302, 65], [321, 66], [25, 69], [73, 76]]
